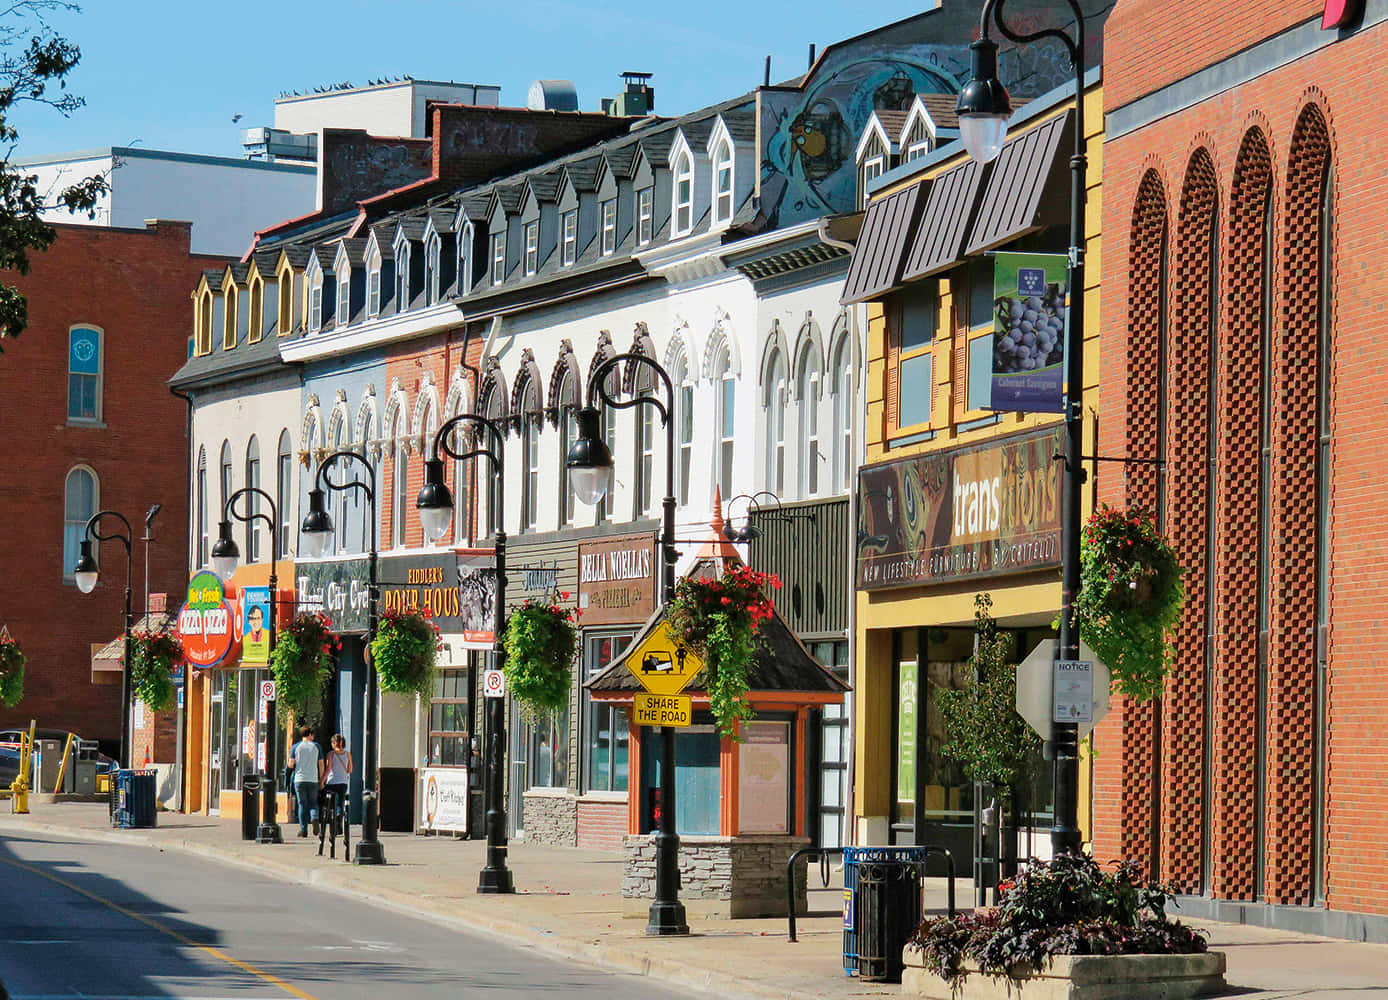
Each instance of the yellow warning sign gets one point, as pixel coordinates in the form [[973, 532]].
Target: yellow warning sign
[[663, 710], [661, 664]]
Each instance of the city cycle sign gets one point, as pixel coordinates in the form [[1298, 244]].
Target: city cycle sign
[[206, 622]]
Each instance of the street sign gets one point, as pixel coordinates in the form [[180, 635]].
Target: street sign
[[1072, 691], [662, 664], [267, 690], [1037, 695], [663, 710], [493, 684]]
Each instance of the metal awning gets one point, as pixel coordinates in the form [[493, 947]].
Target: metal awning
[[945, 220], [881, 250], [1028, 188]]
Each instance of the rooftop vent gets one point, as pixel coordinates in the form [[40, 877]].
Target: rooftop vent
[[552, 95], [636, 100]]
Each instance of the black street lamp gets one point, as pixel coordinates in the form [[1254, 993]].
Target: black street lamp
[[225, 556], [983, 112], [590, 466], [85, 574], [435, 506], [317, 532]]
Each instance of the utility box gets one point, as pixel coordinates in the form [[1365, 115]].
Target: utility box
[[83, 774], [47, 766]]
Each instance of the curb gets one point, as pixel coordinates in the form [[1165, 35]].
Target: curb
[[607, 955]]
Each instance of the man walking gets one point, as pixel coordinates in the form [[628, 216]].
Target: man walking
[[307, 774]]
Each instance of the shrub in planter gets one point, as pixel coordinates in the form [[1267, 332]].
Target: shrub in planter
[[540, 640], [12, 660], [1130, 598], [718, 619], [301, 660], [153, 656], [1068, 906], [403, 651]]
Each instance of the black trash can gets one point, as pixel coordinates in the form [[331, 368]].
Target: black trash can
[[884, 909], [133, 799], [250, 806]]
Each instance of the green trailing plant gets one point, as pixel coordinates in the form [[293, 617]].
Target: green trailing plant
[[1067, 906], [540, 640], [153, 656], [983, 731], [718, 619], [300, 661], [1130, 598], [12, 660], [403, 651]]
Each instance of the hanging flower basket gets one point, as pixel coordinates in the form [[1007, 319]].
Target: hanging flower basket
[[540, 640], [12, 660], [301, 659], [403, 651], [153, 656], [718, 619], [1130, 598]]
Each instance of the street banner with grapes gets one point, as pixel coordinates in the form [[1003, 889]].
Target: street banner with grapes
[[1029, 321]]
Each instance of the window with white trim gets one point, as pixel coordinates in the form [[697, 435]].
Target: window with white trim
[[202, 507], [252, 500], [344, 298], [284, 482], [465, 260], [402, 277], [917, 149], [684, 194], [727, 429], [433, 268], [873, 168], [569, 239], [609, 226], [842, 429], [373, 289], [315, 303], [84, 363], [498, 258], [80, 494], [645, 458], [229, 323], [645, 215], [775, 403], [723, 184], [568, 434], [532, 248], [808, 431]]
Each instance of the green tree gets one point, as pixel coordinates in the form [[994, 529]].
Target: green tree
[[34, 63]]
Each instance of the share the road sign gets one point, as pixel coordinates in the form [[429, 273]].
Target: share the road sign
[[663, 710], [662, 664]]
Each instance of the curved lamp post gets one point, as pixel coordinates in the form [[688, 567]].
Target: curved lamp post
[[317, 532], [225, 556], [590, 469], [435, 506], [85, 573], [984, 109]]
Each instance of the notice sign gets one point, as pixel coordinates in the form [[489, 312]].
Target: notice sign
[[1029, 328], [443, 800], [1073, 691], [662, 710]]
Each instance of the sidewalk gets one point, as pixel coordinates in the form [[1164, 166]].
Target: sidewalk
[[568, 903]]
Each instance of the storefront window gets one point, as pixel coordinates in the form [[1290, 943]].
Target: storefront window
[[549, 752], [833, 753], [449, 719], [237, 731], [605, 726]]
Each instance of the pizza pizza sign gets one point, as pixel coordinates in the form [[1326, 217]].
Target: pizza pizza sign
[[206, 621]]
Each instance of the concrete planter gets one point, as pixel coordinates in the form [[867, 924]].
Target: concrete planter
[[1080, 977]]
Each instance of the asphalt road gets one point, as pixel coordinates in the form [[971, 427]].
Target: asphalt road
[[111, 922]]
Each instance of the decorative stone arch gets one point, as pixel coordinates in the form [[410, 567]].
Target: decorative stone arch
[[528, 375], [397, 405], [493, 388], [311, 433], [721, 338], [809, 346], [603, 352], [367, 433], [426, 406], [639, 378], [679, 351], [564, 367], [841, 333], [339, 421], [774, 345], [459, 399]]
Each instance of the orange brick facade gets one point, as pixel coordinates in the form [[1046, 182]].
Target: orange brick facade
[[133, 284], [1257, 776]]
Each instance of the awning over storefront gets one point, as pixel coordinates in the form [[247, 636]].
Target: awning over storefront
[[1028, 187], [945, 220], [881, 252], [108, 659]]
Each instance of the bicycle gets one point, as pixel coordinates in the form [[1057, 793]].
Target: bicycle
[[332, 815]]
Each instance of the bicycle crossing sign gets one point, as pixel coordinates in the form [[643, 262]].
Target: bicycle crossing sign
[[661, 663]]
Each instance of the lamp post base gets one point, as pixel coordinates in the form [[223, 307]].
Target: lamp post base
[[667, 919], [369, 852], [495, 881], [269, 833]]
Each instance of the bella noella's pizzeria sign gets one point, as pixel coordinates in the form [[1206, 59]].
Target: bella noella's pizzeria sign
[[615, 580], [961, 513]]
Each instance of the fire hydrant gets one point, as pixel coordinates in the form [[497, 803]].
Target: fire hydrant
[[19, 795]]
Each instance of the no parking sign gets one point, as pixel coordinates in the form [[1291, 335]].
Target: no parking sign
[[493, 684]]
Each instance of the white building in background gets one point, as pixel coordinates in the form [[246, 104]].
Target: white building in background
[[226, 198], [395, 107]]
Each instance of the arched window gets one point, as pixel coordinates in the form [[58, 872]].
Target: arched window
[[251, 504], [226, 479], [723, 184], [684, 426], [284, 480], [807, 392], [285, 302], [80, 497], [315, 302], [201, 501], [204, 338], [432, 266], [683, 194], [493, 408], [842, 429], [344, 296], [373, 286], [725, 384], [531, 420], [84, 360], [229, 325], [645, 457], [400, 486], [402, 276], [255, 317], [465, 260], [568, 433], [774, 403]]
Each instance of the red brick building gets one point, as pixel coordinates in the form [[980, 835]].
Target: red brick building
[[1244, 235], [90, 424]]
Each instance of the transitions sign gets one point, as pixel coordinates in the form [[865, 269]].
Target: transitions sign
[[961, 513]]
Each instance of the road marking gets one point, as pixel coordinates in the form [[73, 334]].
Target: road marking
[[217, 953]]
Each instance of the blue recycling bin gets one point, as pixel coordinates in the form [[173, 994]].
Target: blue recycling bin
[[133, 798], [881, 908]]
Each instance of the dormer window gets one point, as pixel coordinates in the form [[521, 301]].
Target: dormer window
[[532, 248], [873, 168], [684, 194], [917, 149], [723, 184], [256, 316], [373, 289], [402, 276], [645, 215], [498, 258], [569, 238], [432, 255], [465, 260], [315, 303], [229, 323], [609, 226], [344, 299]]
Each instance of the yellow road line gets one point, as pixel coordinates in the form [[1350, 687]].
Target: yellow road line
[[217, 953]]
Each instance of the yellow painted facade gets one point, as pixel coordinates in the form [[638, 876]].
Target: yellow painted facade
[[1029, 600]]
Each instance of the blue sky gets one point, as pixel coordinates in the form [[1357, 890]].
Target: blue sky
[[172, 74]]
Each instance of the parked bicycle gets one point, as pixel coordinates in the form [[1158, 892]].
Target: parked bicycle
[[333, 822]]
